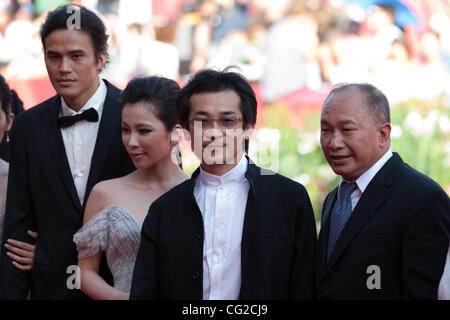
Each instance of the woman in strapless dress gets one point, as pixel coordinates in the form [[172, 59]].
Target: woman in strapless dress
[[117, 208]]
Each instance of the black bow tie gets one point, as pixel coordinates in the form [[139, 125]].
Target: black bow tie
[[89, 115]]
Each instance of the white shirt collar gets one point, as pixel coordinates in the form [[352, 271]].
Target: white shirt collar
[[235, 175], [95, 101], [363, 181]]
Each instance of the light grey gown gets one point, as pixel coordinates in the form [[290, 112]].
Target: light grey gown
[[115, 231]]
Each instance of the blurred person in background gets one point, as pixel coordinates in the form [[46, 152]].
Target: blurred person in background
[[380, 29], [160, 57], [232, 17], [21, 47], [6, 16], [350, 59], [434, 75], [396, 74], [440, 22], [217, 21], [245, 50], [291, 54], [202, 33]]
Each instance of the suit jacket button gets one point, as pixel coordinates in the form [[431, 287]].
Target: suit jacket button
[[198, 238], [196, 275]]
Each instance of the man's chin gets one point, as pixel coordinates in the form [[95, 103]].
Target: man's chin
[[219, 160], [213, 161], [339, 170], [347, 175], [66, 92]]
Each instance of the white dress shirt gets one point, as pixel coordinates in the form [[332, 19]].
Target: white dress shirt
[[79, 139], [222, 201], [363, 181]]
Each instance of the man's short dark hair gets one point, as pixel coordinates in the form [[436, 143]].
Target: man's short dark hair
[[376, 102], [215, 81], [90, 23]]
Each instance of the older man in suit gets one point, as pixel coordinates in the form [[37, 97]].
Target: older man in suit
[[60, 149], [385, 228]]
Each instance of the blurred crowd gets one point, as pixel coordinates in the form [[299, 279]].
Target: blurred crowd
[[281, 45]]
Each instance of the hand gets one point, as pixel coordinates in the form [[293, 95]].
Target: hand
[[21, 253]]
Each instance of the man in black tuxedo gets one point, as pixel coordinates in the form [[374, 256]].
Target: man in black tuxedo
[[385, 228], [60, 149], [234, 230]]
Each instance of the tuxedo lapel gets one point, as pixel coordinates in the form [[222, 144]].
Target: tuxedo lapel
[[370, 202], [56, 143], [106, 133]]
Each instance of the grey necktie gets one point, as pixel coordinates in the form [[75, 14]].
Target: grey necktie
[[342, 210]]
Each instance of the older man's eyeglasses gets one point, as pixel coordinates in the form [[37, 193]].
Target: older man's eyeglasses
[[222, 123]]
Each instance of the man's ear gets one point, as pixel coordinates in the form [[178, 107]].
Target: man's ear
[[101, 60], [248, 131], [384, 134]]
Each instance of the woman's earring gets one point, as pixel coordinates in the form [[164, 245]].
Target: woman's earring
[[7, 136], [176, 155]]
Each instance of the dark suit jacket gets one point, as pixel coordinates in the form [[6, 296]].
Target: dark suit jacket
[[401, 225], [277, 249], [42, 196]]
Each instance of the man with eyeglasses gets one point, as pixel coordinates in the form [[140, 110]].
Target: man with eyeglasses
[[233, 231]]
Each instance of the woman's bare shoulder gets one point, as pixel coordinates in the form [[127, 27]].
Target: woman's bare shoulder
[[103, 194], [107, 187]]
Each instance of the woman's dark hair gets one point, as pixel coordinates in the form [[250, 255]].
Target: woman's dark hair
[[88, 21], [160, 93], [215, 81], [5, 97]]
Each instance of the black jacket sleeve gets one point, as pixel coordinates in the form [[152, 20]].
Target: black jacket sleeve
[[144, 285]]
